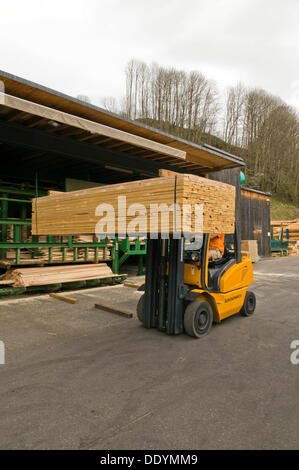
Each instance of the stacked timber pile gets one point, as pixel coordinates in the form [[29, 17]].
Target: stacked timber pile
[[26, 277], [11, 254], [69, 252], [293, 227], [43, 255], [293, 248], [76, 212]]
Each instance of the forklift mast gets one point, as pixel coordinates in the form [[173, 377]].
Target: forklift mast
[[164, 294]]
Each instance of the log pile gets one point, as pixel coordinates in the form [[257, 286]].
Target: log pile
[[293, 248], [293, 227], [284, 223], [26, 277], [75, 212]]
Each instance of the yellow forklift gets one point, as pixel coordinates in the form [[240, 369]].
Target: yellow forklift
[[185, 292]]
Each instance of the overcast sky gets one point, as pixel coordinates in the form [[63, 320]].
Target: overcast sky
[[82, 46]]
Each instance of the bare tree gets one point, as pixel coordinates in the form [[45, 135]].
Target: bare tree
[[187, 104], [84, 98], [110, 103], [170, 98], [233, 114]]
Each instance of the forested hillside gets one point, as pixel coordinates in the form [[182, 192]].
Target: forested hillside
[[248, 122]]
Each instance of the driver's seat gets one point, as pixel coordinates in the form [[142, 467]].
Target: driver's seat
[[216, 272]]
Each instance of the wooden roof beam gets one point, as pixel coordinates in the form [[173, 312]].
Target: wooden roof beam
[[93, 127], [14, 116], [33, 122]]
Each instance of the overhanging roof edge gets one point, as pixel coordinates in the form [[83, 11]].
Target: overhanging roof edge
[[204, 147]]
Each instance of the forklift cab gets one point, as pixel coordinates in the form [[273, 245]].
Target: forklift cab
[[185, 292], [197, 256]]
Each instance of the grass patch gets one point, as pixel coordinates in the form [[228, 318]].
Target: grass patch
[[282, 210]]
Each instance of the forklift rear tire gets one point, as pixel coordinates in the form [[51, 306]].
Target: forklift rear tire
[[198, 318], [140, 309], [249, 304]]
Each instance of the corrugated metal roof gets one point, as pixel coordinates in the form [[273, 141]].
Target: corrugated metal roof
[[256, 191]]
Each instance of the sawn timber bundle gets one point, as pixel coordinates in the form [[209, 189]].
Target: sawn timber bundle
[[27, 277], [75, 212]]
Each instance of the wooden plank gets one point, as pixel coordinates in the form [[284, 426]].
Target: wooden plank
[[107, 308], [70, 300], [4, 282], [52, 192], [24, 262], [131, 284], [163, 173]]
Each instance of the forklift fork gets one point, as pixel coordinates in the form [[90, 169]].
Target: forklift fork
[[164, 295]]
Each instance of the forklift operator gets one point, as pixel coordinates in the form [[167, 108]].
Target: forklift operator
[[216, 247]]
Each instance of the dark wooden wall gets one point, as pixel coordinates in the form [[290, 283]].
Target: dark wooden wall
[[255, 216], [252, 210]]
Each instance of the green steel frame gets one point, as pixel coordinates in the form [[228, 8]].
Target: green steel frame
[[277, 243], [124, 248], [120, 249]]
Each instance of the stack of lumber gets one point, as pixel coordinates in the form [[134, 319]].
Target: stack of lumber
[[43, 255], [11, 254], [9, 233], [293, 227], [69, 252], [5, 282], [75, 212], [293, 248], [26, 277], [250, 249]]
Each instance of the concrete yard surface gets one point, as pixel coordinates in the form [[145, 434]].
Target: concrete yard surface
[[80, 378]]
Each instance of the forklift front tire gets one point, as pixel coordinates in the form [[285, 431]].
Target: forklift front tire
[[140, 308], [198, 318], [249, 304]]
